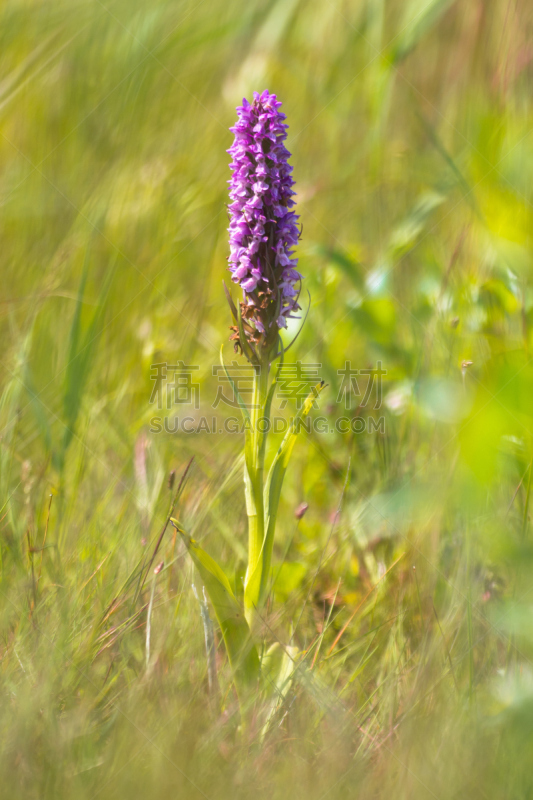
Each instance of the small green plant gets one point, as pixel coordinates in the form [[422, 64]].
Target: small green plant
[[263, 231]]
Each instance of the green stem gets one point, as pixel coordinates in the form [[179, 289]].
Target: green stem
[[253, 480]]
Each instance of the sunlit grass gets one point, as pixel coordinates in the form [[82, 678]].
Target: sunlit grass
[[403, 594]]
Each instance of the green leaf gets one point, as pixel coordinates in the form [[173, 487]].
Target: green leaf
[[247, 348], [230, 616], [233, 308], [274, 483], [278, 667], [351, 268], [80, 357], [406, 234]]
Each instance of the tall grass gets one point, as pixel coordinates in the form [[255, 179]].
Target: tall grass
[[402, 598]]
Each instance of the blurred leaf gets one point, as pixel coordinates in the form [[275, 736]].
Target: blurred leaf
[[377, 319], [481, 433], [289, 578], [511, 381], [10, 400], [352, 269], [277, 666], [81, 351], [38, 408], [495, 294], [407, 232], [419, 17], [515, 697], [254, 67], [230, 616], [444, 399]]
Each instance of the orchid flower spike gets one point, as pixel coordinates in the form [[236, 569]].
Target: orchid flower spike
[[263, 227]]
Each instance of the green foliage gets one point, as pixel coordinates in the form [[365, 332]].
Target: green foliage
[[410, 128], [230, 616], [274, 485]]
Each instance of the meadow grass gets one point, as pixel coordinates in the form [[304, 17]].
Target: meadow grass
[[402, 598]]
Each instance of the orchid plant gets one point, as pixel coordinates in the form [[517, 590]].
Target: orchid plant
[[263, 232]]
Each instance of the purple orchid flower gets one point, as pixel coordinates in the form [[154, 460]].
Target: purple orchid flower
[[263, 228]]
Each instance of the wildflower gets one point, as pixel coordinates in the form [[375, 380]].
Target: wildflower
[[263, 227]]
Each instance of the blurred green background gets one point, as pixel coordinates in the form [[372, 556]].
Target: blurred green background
[[410, 129]]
